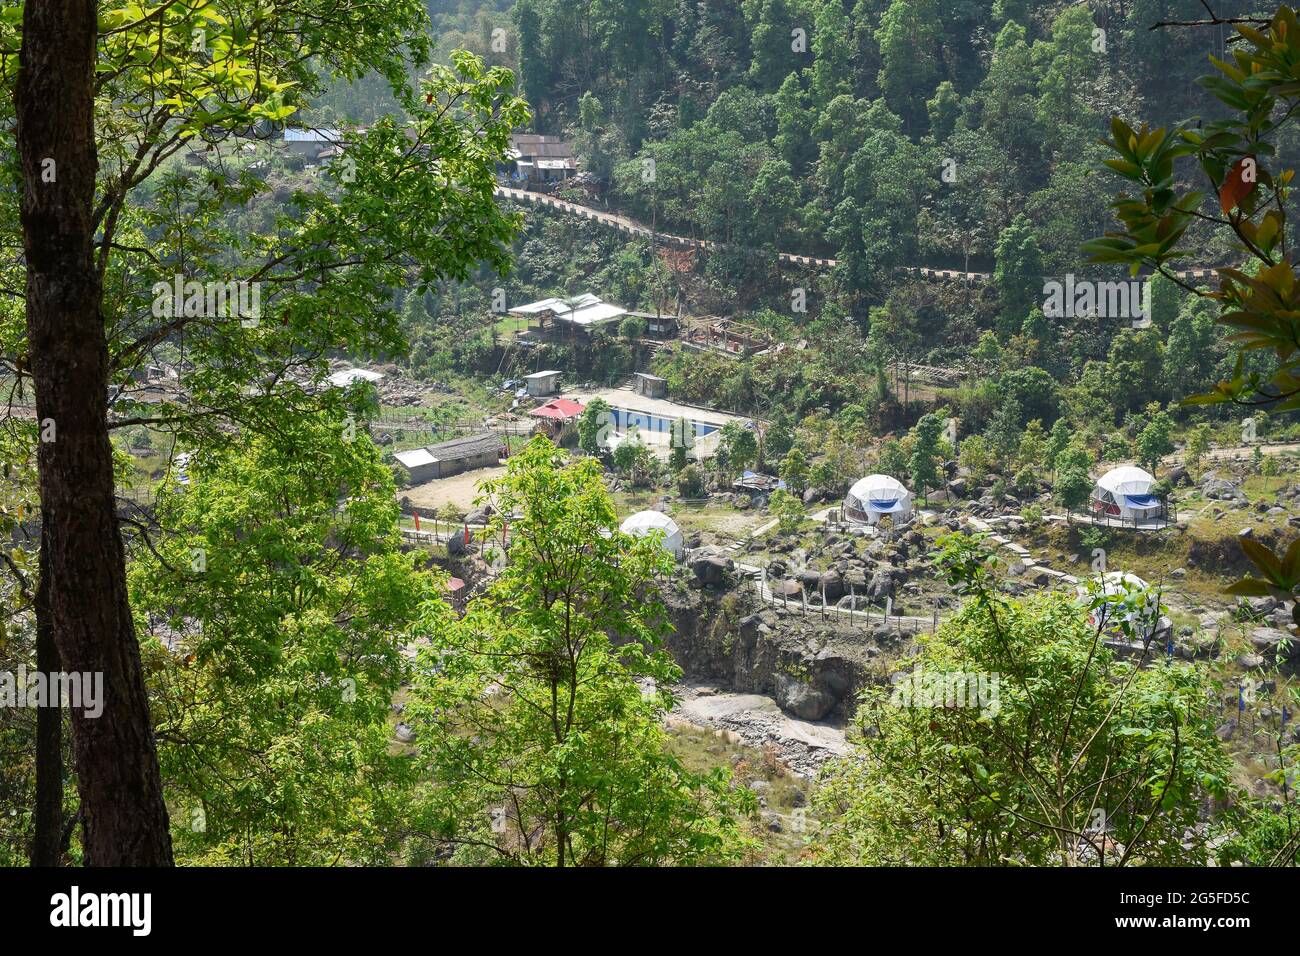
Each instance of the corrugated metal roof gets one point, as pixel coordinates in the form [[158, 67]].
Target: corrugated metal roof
[[322, 134], [465, 447], [349, 375]]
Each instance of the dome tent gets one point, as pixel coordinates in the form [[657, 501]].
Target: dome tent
[[875, 496], [1114, 587], [1128, 493], [643, 522]]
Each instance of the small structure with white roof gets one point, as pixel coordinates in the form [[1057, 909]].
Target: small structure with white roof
[[876, 496], [349, 376], [1127, 494], [448, 458], [542, 384], [420, 463], [644, 523], [583, 313]]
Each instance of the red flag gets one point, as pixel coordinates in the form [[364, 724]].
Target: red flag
[[467, 533], [416, 515]]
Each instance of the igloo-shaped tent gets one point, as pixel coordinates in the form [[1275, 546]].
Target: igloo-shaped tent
[[1114, 586], [875, 496], [644, 522], [1128, 493]]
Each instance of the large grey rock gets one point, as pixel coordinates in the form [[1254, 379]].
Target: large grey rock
[[832, 586], [882, 584], [1262, 605], [1267, 638], [802, 699], [480, 515], [711, 567], [1221, 489], [1250, 662]]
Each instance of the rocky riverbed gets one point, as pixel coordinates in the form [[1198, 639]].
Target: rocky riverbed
[[756, 720]]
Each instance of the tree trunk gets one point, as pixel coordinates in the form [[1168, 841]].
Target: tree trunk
[[47, 841], [124, 819]]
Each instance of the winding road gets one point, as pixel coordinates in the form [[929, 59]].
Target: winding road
[[633, 228]]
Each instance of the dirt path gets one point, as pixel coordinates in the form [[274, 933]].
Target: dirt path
[[458, 490]]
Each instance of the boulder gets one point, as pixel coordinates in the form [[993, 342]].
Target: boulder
[[1221, 489], [832, 586], [1250, 662], [882, 584], [1267, 638], [801, 699], [711, 567], [810, 579], [480, 515]]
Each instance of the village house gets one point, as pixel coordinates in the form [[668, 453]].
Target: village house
[[451, 457], [536, 158]]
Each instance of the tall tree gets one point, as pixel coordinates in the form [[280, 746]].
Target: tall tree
[[329, 264], [124, 820], [1017, 274], [538, 715], [273, 616], [1019, 737]]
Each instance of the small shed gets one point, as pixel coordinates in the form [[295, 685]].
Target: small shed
[[651, 386], [560, 410], [421, 465], [310, 142], [541, 384]]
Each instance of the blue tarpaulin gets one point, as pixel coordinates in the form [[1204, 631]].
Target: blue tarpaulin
[[1142, 501]]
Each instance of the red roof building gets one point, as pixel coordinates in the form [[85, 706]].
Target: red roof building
[[558, 409]]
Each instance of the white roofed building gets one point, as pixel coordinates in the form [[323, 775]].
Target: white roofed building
[[582, 313], [1118, 598]]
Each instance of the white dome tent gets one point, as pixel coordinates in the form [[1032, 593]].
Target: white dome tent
[[875, 496], [1114, 587], [1127, 493], [643, 522]]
